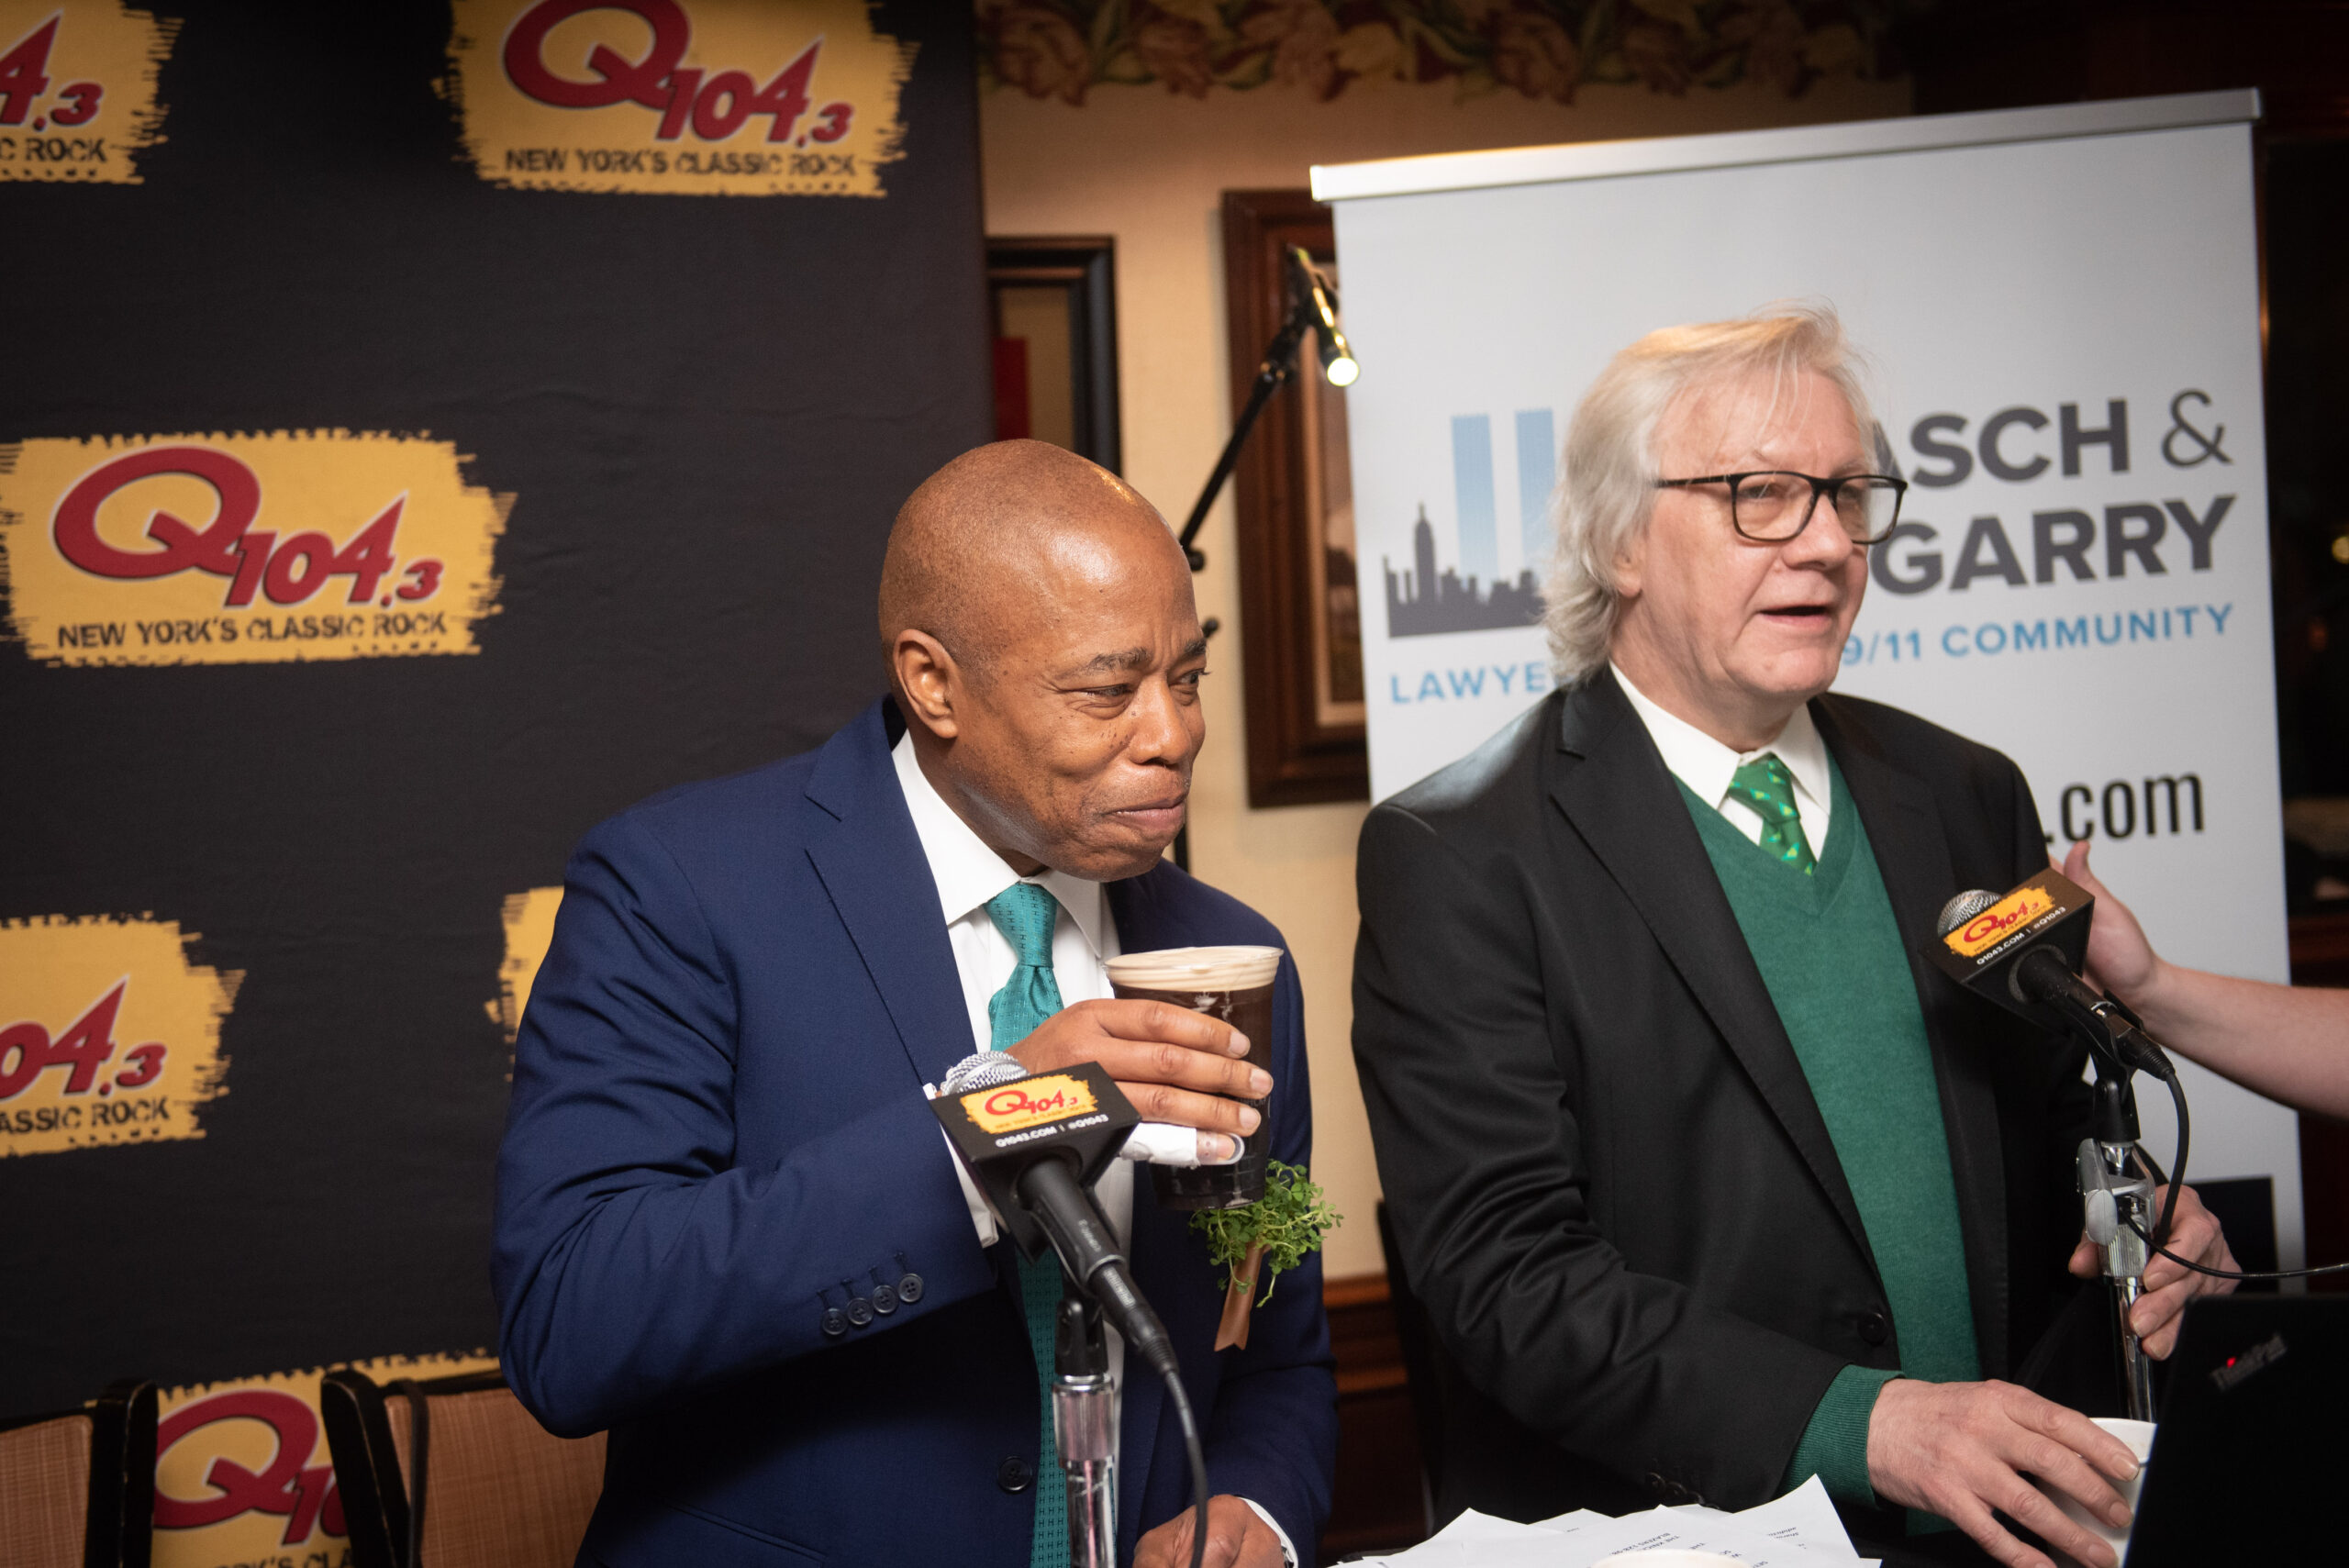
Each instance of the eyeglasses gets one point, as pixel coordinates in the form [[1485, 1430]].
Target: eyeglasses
[[1772, 506]]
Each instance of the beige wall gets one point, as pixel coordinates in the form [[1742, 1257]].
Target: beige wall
[[1149, 168]]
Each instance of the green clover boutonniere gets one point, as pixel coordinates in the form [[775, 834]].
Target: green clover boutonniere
[[1259, 1241]]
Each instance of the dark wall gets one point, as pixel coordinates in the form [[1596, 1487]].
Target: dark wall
[[707, 407]]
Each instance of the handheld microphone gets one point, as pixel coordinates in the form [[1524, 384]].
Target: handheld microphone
[[1035, 1144], [2024, 951]]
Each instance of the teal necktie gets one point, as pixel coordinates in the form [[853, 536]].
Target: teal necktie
[[1025, 914], [1764, 784]]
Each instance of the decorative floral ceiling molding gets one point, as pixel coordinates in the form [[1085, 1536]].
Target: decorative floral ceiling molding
[[1542, 49]]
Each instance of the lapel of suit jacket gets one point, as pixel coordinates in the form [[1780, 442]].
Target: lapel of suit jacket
[[1611, 783], [1912, 854], [1155, 1250], [871, 866]]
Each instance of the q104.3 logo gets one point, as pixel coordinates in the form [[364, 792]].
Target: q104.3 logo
[[713, 97], [77, 90], [243, 1473], [245, 548], [108, 1033]]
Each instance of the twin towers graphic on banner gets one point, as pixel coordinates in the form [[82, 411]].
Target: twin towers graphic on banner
[[1472, 595]]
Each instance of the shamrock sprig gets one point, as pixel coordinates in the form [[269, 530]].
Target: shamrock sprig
[[1289, 1221]]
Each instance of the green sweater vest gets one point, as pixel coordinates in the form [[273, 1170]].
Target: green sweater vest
[[1830, 955]]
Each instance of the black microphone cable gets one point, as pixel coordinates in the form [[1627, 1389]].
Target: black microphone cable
[[2169, 1208], [1199, 1456]]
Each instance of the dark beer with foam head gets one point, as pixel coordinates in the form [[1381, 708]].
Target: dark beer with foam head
[[1234, 984]]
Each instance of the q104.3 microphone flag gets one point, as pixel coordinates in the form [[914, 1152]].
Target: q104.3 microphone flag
[[1981, 938], [1074, 1114]]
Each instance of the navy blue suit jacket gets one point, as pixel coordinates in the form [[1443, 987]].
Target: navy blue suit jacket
[[718, 1132]]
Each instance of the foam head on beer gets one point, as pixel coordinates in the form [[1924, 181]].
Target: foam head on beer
[[1196, 969]]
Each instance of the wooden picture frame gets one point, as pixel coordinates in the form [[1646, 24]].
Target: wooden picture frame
[[1300, 597], [1078, 406]]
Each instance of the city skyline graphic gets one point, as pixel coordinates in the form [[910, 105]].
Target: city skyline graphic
[[1472, 595]]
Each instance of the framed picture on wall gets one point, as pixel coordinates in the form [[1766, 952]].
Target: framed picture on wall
[[1300, 599], [1053, 301]]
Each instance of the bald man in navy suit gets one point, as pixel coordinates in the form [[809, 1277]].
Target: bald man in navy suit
[[729, 1228]]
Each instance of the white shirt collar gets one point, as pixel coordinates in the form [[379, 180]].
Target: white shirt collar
[[967, 872], [1706, 766]]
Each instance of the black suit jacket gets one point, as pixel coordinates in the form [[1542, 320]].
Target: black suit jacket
[[1609, 1181]]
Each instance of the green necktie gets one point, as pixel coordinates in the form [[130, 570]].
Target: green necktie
[[1764, 784], [1025, 913]]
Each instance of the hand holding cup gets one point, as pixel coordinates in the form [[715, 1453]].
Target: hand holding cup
[[1175, 1064], [1232, 986]]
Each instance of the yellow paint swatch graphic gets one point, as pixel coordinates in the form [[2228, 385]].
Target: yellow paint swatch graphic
[[679, 97], [244, 549], [530, 931], [243, 1472], [77, 89], [107, 1033]]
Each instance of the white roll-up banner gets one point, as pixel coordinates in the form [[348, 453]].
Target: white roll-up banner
[[2061, 308]]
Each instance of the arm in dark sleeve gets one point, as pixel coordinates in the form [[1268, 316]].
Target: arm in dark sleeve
[[1480, 1151], [635, 1260], [1273, 1435]]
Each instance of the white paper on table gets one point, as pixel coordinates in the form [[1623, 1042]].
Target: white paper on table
[[1798, 1530], [1712, 1532], [1805, 1516], [1471, 1541], [1581, 1518]]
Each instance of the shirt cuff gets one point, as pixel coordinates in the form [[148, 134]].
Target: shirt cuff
[[1834, 1446], [982, 1217], [1288, 1549]]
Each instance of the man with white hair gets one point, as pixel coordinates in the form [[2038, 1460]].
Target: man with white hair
[[1706, 1179]]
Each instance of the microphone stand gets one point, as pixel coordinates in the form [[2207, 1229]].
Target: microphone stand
[[2116, 1176], [2117, 1201], [1271, 373], [1084, 1428]]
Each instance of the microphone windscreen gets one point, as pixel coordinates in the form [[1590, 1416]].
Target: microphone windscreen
[[982, 1073], [1962, 908]]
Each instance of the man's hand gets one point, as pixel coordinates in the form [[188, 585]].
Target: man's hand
[[1174, 1064], [1237, 1537], [1959, 1450], [2193, 1233]]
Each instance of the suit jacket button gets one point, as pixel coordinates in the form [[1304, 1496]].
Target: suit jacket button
[[1874, 1327], [884, 1299], [860, 1311], [1014, 1475], [910, 1289], [835, 1322]]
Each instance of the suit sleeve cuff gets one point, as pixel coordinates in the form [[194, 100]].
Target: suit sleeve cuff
[[1834, 1446], [983, 1219], [1288, 1548]]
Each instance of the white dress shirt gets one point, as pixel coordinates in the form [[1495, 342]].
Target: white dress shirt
[[1084, 939], [1706, 766]]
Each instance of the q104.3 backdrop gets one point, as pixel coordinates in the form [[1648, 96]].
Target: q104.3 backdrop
[[425, 429], [2062, 309]]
